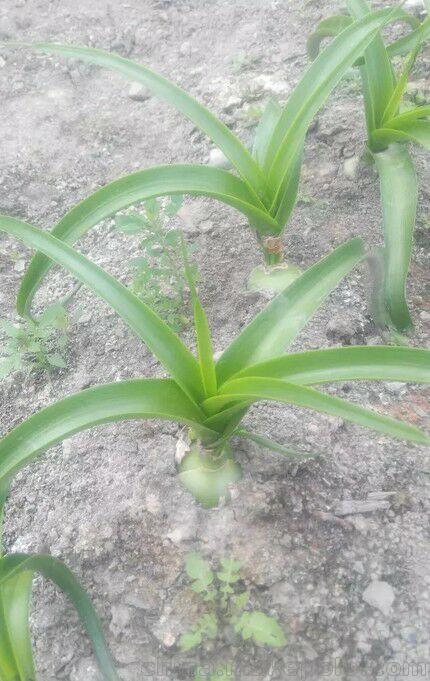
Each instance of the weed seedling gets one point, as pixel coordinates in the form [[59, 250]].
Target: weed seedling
[[226, 607], [158, 275], [35, 344]]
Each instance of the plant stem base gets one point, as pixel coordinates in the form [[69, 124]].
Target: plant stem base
[[205, 473]]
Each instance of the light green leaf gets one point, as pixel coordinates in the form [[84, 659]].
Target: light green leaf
[[131, 189], [264, 131], [130, 224], [190, 640], [174, 95], [56, 360], [417, 131], [377, 72], [406, 43], [16, 654], [256, 389], [160, 339], [136, 399], [203, 334], [271, 331], [399, 198], [197, 568], [263, 629], [364, 363], [273, 446], [21, 567], [327, 28]]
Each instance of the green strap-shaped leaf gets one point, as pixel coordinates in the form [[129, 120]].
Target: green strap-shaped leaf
[[15, 596], [327, 28], [22, 567], [160, 339], [273, 446], [411, 115], [203, 334], [287, 195], [263, 134], [136, 399], [313, 90], [417, 131], [174, 95], [255, 389], [399, 198], [384, 363], [378, 74], [406, 43], [145, 184], [271, 331], [396, 98]]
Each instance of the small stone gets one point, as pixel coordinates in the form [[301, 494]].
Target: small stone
[[185, 49], [379, 595], [395, 387], [120, 619], [231, 104], [425, 316], [2, 62], [351, 506], [218, 159], [350, 167], [415, 5], [138, 92], [19, 266], [340, 328]]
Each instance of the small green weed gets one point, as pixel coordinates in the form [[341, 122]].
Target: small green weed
[[158, 274], [35, 344], [227, 607]]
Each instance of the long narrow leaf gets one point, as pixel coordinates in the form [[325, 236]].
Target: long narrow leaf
[[327, 28], [15, 594], [145, 184], [395, 100], [135, 399], [174, 95], [399, 197], [379, 76], [406, 43], [203, 334], [314, 88], [255, 389], [160, 339], [264, 132], [364, 363], [287, 195], [411, 115], [273, 446], [18, 565], [417, 131], [271, 331]]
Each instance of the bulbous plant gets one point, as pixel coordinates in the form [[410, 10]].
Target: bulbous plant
[[17, 571], [209, 397], [389, 128], [266, 189]]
